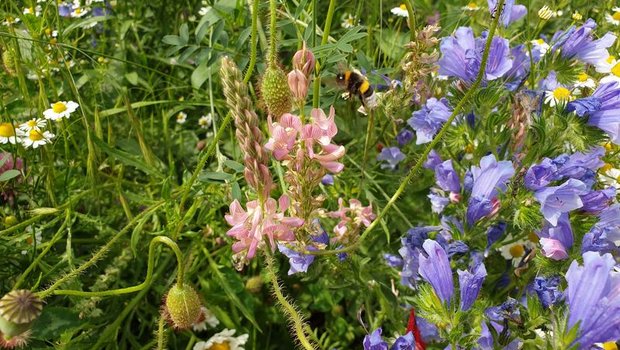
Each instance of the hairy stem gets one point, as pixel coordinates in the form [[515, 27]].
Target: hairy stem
[[253, 42], [273, 48], [149, 273]]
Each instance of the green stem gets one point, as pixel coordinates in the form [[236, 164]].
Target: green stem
[[369, 131], [317, 76], [253, 42], [273, 50], [289, 309], [149, 273], [412, 32], [431, 145], [161, 333], [99, 254]]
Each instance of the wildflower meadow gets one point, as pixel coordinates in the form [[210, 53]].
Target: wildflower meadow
[[309, 174]]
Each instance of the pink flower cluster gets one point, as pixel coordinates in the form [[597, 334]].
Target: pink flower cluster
[[351, 217], [248, 227], [291, 140]]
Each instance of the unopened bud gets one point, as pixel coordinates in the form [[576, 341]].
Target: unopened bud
[[182, 306], [298, 83], [304, 61], [275, 92]]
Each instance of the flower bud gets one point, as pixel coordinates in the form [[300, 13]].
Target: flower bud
[[254, 284], [275, 91], [18, 309], [304, 61], [298, 83], [182, 306]]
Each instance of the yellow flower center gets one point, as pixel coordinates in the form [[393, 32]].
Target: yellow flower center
[[7, 130], [403, 7], [59, 107], [469, 148], [35, 135], [582, 77], [610, 59], [606, 167], [472, 5], [540, 41], [78, 11], [615, 70], [31, 123], [561, 93], [616, 15], [220, 346], [610, 345], [608, 146], [517, 250]]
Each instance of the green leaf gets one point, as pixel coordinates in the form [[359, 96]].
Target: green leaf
[[53, 321], [174, 40], [237, 167], [9, 174], [212, 175], [132, 78], [392, 43], [200, 75], [135, 105], [184, 32], [126, 158]]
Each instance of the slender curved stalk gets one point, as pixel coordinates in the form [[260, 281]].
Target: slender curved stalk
[[369, 130], [317, 77], [99, 254], [253, 42], [149, 273], [431, 145], [289, 309], [273, 47], [411, 14]]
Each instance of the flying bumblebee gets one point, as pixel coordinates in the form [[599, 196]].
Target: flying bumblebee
[[355, 83]]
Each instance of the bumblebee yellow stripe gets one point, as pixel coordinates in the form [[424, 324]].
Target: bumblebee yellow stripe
[[364, 87], [347, 75]]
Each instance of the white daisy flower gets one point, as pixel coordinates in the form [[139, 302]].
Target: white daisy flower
[[515, 251], [584, 81], [10, 134], [205, 121], [400, 11], [207, 318], [349, 21], [611, 67], [609, 176], [540, 46], [33, 124], [472, 6], [9, 21], [558, 97], [223, 340], [60, 109], [204, 10], [37, 138], [613, 18], [79, 12], [181, 118]]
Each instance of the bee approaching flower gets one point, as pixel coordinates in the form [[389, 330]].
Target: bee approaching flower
[[60, 109]]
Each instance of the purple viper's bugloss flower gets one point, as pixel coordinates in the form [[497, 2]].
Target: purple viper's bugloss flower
[[579, 43], [602, 109], [410, 252], [404, 136], [462, 55], [446, 177], [438, 202], [393, 260], [457, 247], [601, 239], [65, 9], [593, 297], [404, 342], [553, 249], [562, 231], [494, 233], [435, 269], [488, 179], [557, 200], [470, 283], [547, 290], [540, 175], [391, 156], [597, 201], [373, 341], [328, 180], [299, 262], [507, 310], [432, 160], [520, 67], [580, 165], [429, 119], [509, 13]]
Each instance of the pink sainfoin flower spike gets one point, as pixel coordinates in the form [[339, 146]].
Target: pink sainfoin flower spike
[[352, 218], [249, 227], [321, 131], [283, 135]]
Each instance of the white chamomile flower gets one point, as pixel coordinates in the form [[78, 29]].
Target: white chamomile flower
[[584, 81], [613, 18], [181, 118], [400, 11], [36, 138], [33, 124], [558, 97], [515, 251], [60, 109], [540, 46], [611, 67], [348, 21], [472, 6], [223, 340], [28, 11], [10, 134], [9, 21], [204, 10], [609, 176], [205, 121], [207, 318], [79, 12]]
